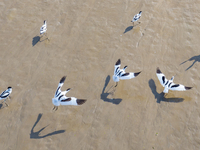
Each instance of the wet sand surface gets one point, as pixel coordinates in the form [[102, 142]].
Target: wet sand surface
[[86, 40]]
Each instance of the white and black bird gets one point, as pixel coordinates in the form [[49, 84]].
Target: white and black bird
[[168, 84], [136, 17], [43, 29], [121, 74], [5, 94], [61, 99]]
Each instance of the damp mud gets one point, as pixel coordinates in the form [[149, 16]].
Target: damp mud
[[86, 38]]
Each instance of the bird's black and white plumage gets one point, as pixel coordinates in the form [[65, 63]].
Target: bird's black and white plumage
[[5, 94], [61, 99], [168, 84], [136, 17], [121, 74], [43, 29]]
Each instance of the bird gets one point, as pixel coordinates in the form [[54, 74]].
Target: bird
[[121, 74], [168, 84], [136, 17], [43, 29], [5, 94], [61, 99]]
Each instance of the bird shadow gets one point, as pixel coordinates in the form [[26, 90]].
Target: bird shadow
[[36, 135], [35, 40], [161, 96], [104, 95], [128, 29], [1, 106], [194, 59]]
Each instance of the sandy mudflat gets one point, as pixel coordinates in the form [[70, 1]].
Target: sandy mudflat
[[86, 39]]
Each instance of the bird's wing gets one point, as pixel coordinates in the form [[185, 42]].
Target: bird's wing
[[129, 75], [136, 17], [178, 87], [80, 101], [4, 94], [65, 92], [43, 28], [117, 66], [72, 101], [62, 80], [161, 77]]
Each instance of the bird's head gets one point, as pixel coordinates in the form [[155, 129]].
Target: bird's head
[[68, 89]]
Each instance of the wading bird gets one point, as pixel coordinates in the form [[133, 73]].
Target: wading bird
[[168, 84], [5, 94], [61, 99], [136, 17], [121, 74], [43, 29]]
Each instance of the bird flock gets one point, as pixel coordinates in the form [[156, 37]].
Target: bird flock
[[60, 97]]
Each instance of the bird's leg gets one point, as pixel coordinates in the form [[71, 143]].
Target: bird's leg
[[47, 36], [165, 94], [6, 103], [41, 37], [112, 92], [9, 97], [116, 84], [109, 89], [55, 108]]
